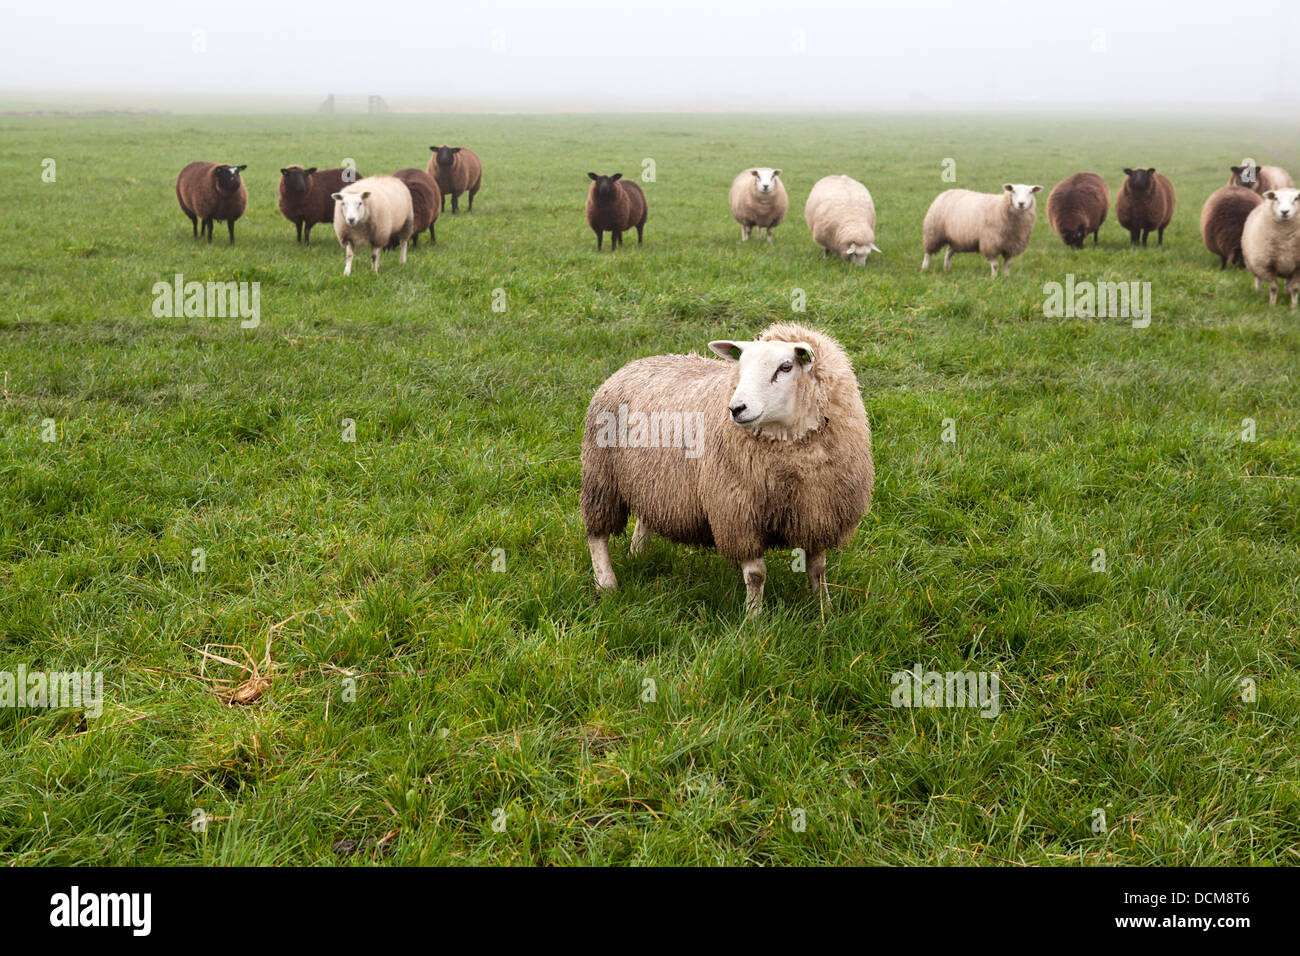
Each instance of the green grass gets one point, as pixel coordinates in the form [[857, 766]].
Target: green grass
[[517, 695]]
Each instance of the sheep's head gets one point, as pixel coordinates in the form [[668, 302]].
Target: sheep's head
[[353, 205], [1284, 204], [854, 242], [446, 154], [604, 190], [1074, 237], [1140, 179], [765, 180], [296, 179], [775, 386], [1020, 196], [228, 177], [1247, 175]]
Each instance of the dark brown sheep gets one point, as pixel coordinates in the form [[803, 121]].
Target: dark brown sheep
[[208, 191], [457, 169], [1261, 179], [307, 195], [1077, 206], [1145, 204], [425, 200], [1223, 217], [613, 205]]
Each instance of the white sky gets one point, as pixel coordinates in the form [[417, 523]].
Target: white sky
[[758, 55]]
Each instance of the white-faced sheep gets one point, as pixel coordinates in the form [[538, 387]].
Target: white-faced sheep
[[1145, 204], [307, 195], [373, 211], [992, 224], [1260, 178], [457, 169], [1222, 219], [769, 449], [758, 200], [1270, 243], [212, 191], [615, 205], [842, 218]]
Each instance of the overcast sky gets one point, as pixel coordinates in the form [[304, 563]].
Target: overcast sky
[[759, 54]]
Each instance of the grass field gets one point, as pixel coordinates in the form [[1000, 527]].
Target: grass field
[[499, 714]]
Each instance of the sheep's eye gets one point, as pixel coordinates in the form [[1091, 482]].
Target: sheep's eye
[[785, 367]]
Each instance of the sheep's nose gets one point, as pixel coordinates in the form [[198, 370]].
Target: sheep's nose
[[738, 410]]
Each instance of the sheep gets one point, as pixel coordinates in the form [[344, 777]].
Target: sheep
[[770, 448], [758, 200], [306, 195], [614, 205], [992, 224], [456, 169], [373, 211], [425, 199], [1222, 218], [1077, 206], [208, 191], [1270, 243], [1260, 179], [842, 218], [1145, 202]]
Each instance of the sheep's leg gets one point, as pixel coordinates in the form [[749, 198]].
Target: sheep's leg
[[471, 199], [615, 239], [598, 545], [769, 233], [639, 230], [306, 233], [817, 574], [1006, 265], [744, 233], [1273, 288], [1160, 236], [947, 258], [993, 263], [1294, 288], [1256, 283], [401, 258], [347, 264], [600, 236], [433, 240], [1145, 234], [1096, 235], [230, 224], [374, 259], [415, 241], [826, 253], [299, 225], [1223, 263], [755, 571], [1134, 235], [207, 229], [640, 536], [455, 203], [925, 263], [444, 203]]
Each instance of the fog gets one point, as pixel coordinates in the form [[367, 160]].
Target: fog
[[661, 54]]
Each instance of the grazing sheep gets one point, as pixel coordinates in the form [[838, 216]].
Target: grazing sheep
[[1222, 218], [1261, 179], [614, 205], [770, 449], [758, 200], [1145, 203], [1077, 206], [208, 191], [373, 211], [425, 200], [1270, 243], [992, 224], [456, 169], [842, 218], [307, 195]]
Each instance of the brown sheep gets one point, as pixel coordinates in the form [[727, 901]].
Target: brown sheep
[[613, 205], [1145, 204], [1077, 206], [208, 191], [1222, 219], [456, 169], [425, 200], [1261, 179], [307, 195]]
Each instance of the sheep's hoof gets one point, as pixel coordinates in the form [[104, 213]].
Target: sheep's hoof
[[606, 582]]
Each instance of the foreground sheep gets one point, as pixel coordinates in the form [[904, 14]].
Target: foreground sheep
[[212, 191], [456, 170], [615, 205], [1145, 204], [1270, 243], [992, 224], [769, 449], [842, 218], [758, 200], [307, 195], [1077, 206], [1260, 179], [1222, 219], [373, 211]]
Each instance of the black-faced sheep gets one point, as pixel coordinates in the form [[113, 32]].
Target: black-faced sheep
[[457, 169], [212, 191], [425, 200], [842, 218], [1261, 179], [1145, 204], [307, 195], [758, 200], [615, 205], [1077, 206], [1270, 243], [373, 211], [992, 224], [1222, 219]]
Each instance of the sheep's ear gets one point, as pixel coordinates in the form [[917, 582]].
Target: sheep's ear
[[1035, 189], [616, 177], [592, 176], [728, 350], [284, 172], [366, 194], [853, 247], [804, 353], [876, 248], [755, 172], [1007, 187], [1151, 170], [776, 172], [456, 149], [310, 171], [1127, 171], [1270, 195], [433, 149], [240, 169], [337, 197], [1237, 169]]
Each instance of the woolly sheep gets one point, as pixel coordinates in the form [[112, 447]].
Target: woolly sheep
[[1077, 206], [758, 200], [307, 195], [1145, 203], [842, 218], [425, 200], [992, 224], [456, 169], [1222, 218], [1270, 243], [615, 205], [208, 191], [373, 211], [769, 449], [1260, 179]]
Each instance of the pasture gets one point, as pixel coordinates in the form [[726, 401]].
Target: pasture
[[445, 685]]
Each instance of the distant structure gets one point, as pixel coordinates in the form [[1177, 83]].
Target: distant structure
[[328, 105], [352, 104], [377, 105]]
